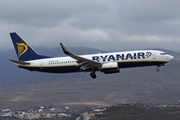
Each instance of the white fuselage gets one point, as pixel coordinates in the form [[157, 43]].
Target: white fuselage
[[138, 58]]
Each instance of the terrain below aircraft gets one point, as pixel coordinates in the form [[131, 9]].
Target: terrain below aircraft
[[104, 62]]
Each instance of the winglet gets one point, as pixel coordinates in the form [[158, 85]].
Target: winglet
[[64, 49]]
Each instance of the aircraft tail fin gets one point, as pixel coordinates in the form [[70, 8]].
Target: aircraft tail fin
[[23, 50]]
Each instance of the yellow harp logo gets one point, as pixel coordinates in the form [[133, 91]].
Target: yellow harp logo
[[22, 48]]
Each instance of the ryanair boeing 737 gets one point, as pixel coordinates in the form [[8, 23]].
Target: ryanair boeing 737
[[104, 62]]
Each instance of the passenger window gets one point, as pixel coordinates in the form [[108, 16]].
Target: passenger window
[[163, 53]]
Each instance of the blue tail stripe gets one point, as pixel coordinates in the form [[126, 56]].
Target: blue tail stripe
[[23, 50]]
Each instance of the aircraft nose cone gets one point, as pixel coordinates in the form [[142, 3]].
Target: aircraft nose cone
[[170, 57]]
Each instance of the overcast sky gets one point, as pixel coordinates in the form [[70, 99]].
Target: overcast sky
[[102, 24]]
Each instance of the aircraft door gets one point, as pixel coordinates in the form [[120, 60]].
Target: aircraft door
[[41, 65], [154, 56]]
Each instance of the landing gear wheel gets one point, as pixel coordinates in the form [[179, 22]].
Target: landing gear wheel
[[93, 75], [157, 69]]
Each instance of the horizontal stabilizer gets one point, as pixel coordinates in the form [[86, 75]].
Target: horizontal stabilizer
[[20, 62]]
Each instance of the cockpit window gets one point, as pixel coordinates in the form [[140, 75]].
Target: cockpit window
[[163, 53]]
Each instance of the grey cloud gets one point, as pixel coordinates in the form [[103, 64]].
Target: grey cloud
[[148, 17], [104, 24], [45, 11]]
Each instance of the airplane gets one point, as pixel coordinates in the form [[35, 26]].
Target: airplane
[[107, 63]]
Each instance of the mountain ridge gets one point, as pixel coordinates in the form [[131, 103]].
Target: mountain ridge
[[11, 75]]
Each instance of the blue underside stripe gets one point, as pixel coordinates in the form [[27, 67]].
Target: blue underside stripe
[[68, 69]]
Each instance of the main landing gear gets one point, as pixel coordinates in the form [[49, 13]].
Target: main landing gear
[[93, 75]]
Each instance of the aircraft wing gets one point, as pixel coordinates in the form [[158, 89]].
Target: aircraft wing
[[19, 62], [84, 62]]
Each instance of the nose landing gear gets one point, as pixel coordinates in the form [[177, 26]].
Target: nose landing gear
[[157, 69]]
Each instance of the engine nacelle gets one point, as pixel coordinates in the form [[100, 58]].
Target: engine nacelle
[[111, 67]]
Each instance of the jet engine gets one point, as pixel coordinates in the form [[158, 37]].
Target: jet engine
[[111, 67]]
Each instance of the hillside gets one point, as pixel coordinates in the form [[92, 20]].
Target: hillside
[[129, 86], [126, 112], [11, 75], [27, 89]]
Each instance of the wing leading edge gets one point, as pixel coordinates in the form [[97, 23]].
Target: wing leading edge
[[83, 62]]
